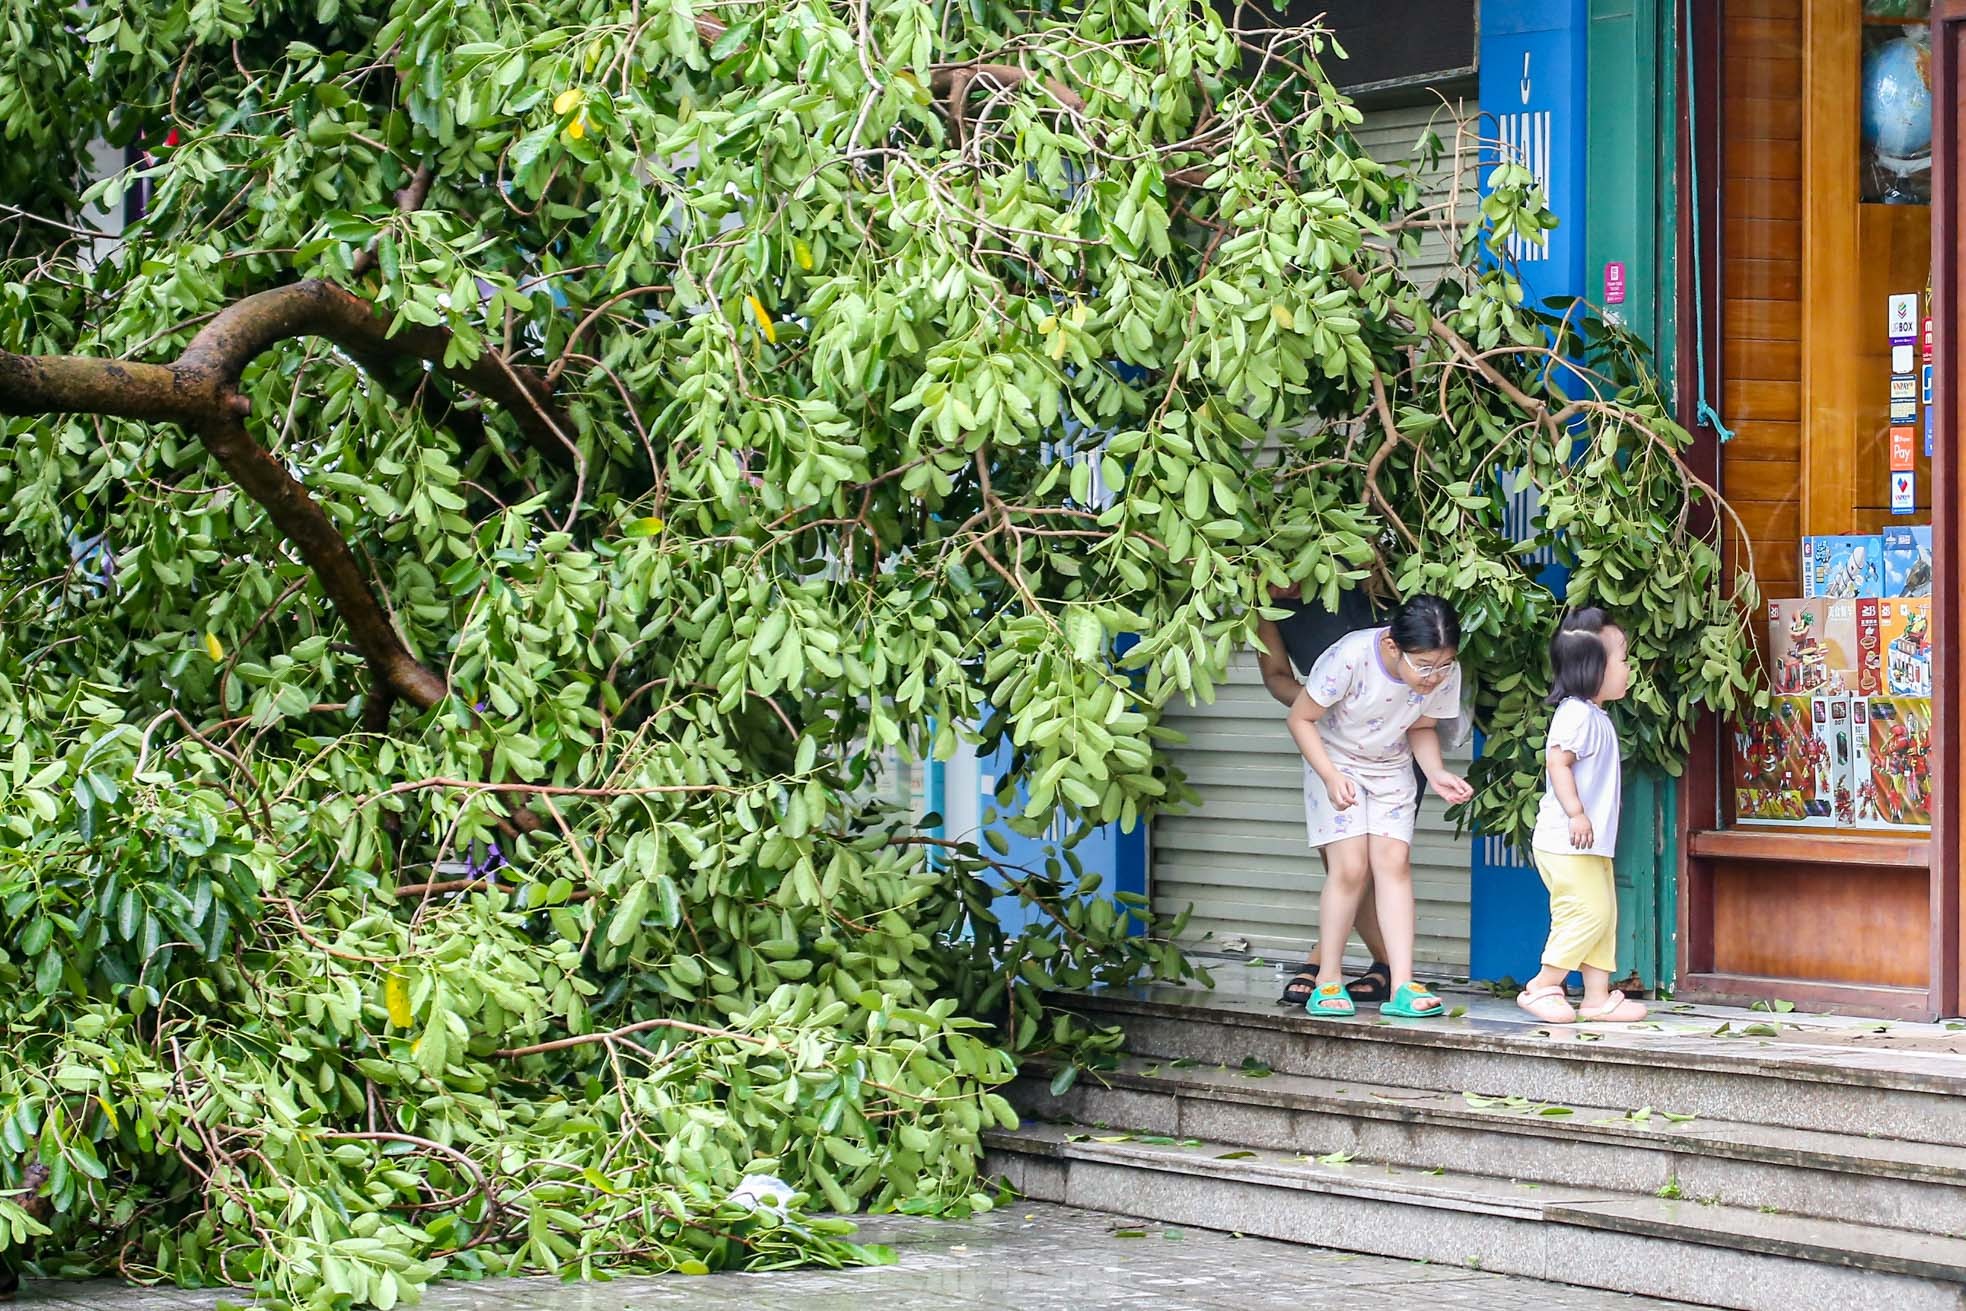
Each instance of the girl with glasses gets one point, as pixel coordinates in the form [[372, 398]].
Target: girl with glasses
[[1367, 714]]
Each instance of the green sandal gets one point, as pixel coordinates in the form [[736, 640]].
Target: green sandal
[[1331, 1001], [1406, 1003]]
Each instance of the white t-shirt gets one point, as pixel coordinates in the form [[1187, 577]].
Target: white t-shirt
[[1582, 728], [1368, 708]]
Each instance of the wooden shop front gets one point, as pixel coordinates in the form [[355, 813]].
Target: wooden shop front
[[1818, 359]]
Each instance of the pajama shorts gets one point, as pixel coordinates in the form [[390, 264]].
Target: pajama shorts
[[1388, 802]]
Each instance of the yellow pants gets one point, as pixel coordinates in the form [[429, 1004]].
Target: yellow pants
[[1583, 911]]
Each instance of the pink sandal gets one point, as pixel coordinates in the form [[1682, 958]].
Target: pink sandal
[[1617, 1009], [1548, 1005]]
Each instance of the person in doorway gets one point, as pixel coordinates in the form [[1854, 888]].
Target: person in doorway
[[1577, 825], [1367, 714], [1289, 649]]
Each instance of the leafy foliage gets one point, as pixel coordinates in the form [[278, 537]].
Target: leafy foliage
[[565, 458]]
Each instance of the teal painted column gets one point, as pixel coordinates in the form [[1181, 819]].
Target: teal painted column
[[1621, 242], [1629, 249]]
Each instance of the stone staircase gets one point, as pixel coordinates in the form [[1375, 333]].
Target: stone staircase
[[1722, 1158]]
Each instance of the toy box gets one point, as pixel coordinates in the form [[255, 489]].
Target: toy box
[[1813, 646], [1783, 763], [1907, 560], [1894, 788], [1870, 648], [1842, 566], [1904, 628], [1837, 730]]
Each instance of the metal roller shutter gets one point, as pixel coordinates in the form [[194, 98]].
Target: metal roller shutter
[[1240, 856]]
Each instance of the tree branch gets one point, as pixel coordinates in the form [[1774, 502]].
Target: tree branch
[[409, 200], [316, 308], [956, 77], [200, 391], [627, 1030], [65, 384]]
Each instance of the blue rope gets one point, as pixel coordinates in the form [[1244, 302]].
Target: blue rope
[[1705, 413]]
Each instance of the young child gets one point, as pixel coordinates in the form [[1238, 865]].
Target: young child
[[1577, 827], [1367, 713]]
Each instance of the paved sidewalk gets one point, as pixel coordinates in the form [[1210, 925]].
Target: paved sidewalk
[[1031, 1257]]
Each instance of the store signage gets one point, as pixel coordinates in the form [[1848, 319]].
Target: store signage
[[1925, 388], [1614, 283], [1903, 501], [1903, 387], [1904, 411], [1901, 449], [1928, 432], [1904, 320], [1901, 358], [1928, 339]]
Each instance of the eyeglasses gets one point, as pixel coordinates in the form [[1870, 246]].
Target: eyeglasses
[[1428, 671]]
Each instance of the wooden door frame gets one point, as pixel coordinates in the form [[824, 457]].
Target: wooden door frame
[[1702, 840], [1948, 515]]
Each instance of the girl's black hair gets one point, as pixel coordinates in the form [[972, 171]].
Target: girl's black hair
[[1425, 623], [1577, 655]]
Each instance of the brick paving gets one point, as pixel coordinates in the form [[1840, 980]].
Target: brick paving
[[1031, 1257]]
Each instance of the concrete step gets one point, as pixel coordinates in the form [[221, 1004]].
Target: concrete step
[[1785, 1077], [1678, 1249], [1645, 1151]]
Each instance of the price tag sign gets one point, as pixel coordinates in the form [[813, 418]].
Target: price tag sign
[[1903, 497]]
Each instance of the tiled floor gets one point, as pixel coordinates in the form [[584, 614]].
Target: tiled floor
[[1031, 1257]]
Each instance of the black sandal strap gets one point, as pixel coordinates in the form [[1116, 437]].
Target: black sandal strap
[[1300, 987], [1376, 984]]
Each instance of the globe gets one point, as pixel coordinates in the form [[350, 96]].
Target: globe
[[1898, 99]]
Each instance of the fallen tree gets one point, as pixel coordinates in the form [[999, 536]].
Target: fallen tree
[[484, 551]]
